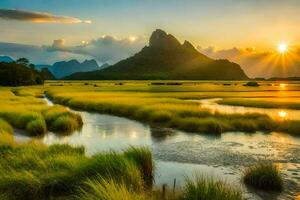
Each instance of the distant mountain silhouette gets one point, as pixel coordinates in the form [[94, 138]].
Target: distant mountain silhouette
[[166, 58], [65, 68], [6, 59]]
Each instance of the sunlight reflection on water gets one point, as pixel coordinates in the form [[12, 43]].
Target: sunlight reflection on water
[[274, 113], [282, 114]]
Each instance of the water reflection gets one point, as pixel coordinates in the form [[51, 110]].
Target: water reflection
[[282, 114], [282, 85], [274, 113]]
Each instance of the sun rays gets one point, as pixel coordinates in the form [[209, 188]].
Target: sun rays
[[282, 60]]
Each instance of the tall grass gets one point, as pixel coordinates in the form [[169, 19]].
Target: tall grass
[[265, 176], [108, 189], [35, 171], [201, 188], [60, 119], [34, 116], [142, 157]]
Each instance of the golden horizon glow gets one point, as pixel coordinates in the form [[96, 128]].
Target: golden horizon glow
[[282, 47], [282, 114], [283, 85]]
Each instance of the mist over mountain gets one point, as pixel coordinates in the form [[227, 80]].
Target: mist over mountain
[[166, 58]]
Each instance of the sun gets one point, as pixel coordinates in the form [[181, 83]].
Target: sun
[[282, 47]]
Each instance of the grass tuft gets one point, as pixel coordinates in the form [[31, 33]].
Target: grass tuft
[[202, 188], [103, 189], [265, 176], [36, 127], [5, 127], [142, 157]]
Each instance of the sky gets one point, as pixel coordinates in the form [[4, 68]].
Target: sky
[[119, 28]]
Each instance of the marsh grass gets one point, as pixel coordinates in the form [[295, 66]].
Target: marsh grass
[[202, 188], [31, 114], [167, 112], [142, 157], [36, 127], [5, 127], [35, 171], [108, 189], [264, 176]]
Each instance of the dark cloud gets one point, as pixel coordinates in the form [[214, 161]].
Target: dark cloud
[[38, 17], [259, 64], [104, 49]]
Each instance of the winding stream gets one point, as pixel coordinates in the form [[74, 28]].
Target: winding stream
[[178, 154]]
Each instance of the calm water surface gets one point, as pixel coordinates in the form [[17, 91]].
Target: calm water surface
[[275, 113], [178, 154]]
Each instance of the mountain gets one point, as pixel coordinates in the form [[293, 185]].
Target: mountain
[[65, 68], [6, 59], [166, 58]]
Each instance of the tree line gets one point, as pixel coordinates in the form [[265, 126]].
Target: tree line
[[21, 72]]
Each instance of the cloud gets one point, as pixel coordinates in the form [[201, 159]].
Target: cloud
[[259, 63], [104, 49], [38, 17]]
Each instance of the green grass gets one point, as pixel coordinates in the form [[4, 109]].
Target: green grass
[[104, 189], [35, 171], [201, 188], [36, 127], [264, 176], [142, 157], [33, 115], [5, 127]]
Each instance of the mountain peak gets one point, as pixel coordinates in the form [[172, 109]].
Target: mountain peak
[[160, 39], [188, 45]]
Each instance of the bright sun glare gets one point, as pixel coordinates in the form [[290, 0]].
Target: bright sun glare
[[282, 48]]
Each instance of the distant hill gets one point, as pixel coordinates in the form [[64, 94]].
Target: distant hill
[[166, 58], [6, 59], [65, 68]]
